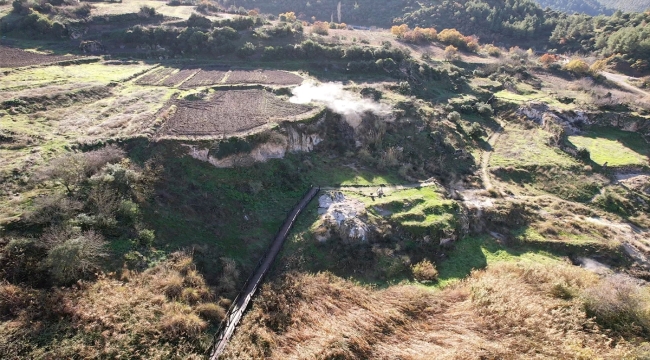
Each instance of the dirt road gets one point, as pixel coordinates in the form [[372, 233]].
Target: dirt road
[[621, 80]]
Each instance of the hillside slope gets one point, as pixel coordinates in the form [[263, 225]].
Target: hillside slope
[[589, 7]]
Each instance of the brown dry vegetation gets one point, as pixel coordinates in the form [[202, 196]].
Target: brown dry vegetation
[[164, 312], [227, 112], [507, 311]]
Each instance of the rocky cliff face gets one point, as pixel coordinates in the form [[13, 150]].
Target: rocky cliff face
[[290, 138], [573, 121]]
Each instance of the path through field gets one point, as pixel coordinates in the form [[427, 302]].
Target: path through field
[[485, 157], [621, 80]]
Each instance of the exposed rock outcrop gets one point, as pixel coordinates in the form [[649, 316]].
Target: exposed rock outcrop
[[572, 121], [344, 216], [292, 140], [544, 116]]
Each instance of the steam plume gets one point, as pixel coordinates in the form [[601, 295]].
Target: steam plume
[[341, 101]]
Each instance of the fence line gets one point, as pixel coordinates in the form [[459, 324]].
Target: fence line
[[238, 307]]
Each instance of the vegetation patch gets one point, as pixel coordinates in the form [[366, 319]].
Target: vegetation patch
[[528, 148], [614, 147], [96, 73], [421, 211]]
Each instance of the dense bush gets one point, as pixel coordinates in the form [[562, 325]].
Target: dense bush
[[618, 304], [75, 255], [320, 28], [578, 67], [246, 50], [424, 271]]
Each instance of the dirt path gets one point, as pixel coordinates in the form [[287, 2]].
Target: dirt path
[[370, 189], [485, 157], [621, 80]]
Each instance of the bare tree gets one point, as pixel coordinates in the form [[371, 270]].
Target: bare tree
[[68, 169]]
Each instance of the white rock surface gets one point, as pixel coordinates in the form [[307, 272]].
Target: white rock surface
[[344, 215]]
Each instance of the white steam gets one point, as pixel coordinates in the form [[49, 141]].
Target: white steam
[[341, 101]]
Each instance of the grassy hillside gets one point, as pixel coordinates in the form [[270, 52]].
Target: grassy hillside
[[150, 151], [364, 12]]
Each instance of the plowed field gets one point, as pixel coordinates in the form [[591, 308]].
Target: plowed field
[[179, 77], [227, 112], [267, 77], [10, 57], [154, 77], [188, 78], [206, 77]]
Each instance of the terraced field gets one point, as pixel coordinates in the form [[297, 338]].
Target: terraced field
[[193, 77], [11, 57], [270, 77], [206, 77], [229, 112]]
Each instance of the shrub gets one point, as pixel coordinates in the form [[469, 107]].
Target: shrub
[[96, 159], [211, 312], [584, 154], [399, 30], [484, 110], [146, 237], [199, 21], [618, 304], [451, 53], [229, 276], [172, 285], [288, 17], [21, 260], [76, 257], [578, 67], [475, 131], [147, 11], [452, 37], [320, 28], [178, 321], [420, 34], [68, 169], [548, 59], [453, 116], [191, 295], [247, 50], [492, 50], [424, 271]]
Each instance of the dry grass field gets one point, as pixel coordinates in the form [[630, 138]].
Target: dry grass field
[[164, 312], [320, 316]]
